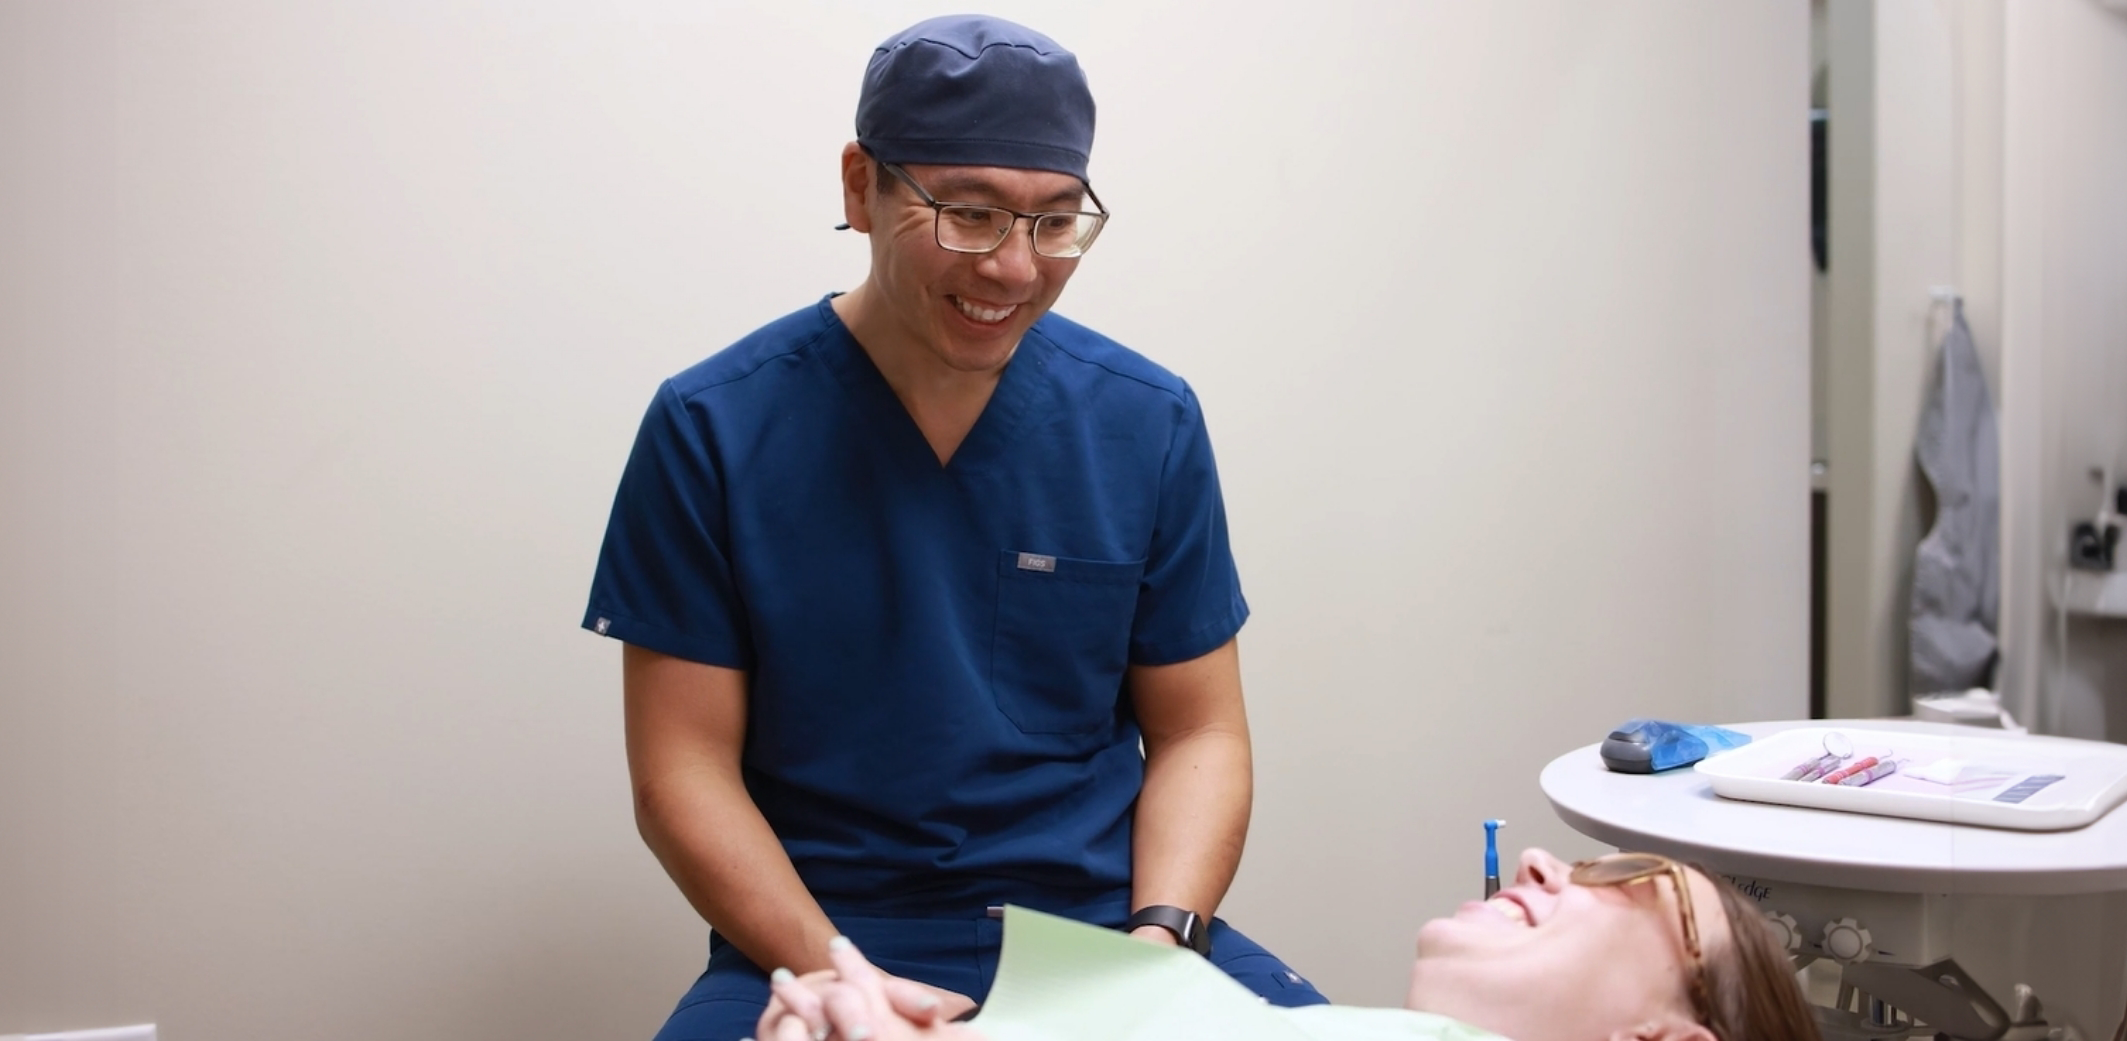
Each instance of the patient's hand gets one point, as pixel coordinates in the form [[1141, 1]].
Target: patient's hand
[[856, 1002]]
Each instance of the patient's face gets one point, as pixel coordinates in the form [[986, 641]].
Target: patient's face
[[1547, 960]]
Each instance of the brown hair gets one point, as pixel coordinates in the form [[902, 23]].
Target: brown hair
[[1751, 981]]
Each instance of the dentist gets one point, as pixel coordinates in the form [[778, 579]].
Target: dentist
[[905, 577]]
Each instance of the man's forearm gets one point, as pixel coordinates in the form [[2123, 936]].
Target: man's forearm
[[713, 841], [1192, 819]]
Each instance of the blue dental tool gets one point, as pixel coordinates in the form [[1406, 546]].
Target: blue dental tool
[[1491, 857]]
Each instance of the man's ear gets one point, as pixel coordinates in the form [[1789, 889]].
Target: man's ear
[[858, 180], [1667, 1028]]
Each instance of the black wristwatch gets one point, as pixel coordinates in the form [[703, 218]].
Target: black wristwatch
[[1193, 929]]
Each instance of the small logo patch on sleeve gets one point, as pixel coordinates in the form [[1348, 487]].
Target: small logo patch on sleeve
[[600, 626], [1036, 562]]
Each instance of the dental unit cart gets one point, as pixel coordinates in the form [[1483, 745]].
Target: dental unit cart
[[1981, 933]]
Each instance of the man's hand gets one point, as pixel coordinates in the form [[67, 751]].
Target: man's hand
[[854, 1001]]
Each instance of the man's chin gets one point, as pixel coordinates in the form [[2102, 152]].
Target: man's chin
[[978, 357]]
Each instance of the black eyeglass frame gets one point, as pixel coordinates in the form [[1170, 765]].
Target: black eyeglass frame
[[1100, 219]]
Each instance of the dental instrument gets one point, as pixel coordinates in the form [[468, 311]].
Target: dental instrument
[[1811, 769], [1837, 749], [1491, 857], [1849, 770], [1873, 773]]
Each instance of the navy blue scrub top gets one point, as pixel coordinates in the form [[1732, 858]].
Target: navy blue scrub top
[[936, 654]]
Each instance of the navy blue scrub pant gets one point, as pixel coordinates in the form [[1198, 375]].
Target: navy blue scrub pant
[[957, 953]]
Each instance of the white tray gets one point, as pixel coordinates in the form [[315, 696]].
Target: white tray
[[2092, 777]]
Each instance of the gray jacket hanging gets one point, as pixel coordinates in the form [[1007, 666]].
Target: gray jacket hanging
[[1956, 569]]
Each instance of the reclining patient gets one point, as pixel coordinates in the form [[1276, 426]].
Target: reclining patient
[[1629, 947]]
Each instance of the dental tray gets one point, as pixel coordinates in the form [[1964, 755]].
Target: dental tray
[[2024, 783]]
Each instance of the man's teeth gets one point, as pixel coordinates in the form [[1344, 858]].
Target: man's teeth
[[982, 314], [1510, 909]]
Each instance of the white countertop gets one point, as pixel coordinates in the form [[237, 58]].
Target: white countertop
[[1676, 813]]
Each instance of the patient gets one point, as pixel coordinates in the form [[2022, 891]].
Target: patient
[[1629, 946]]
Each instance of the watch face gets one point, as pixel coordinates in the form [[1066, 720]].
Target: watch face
[[1198, 934]]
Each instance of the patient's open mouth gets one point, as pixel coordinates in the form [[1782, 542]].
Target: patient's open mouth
[[1510, 910]]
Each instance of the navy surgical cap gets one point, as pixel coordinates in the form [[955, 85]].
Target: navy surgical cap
[[971, 90]]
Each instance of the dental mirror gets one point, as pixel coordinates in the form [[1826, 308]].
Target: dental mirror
[[1836, 744]]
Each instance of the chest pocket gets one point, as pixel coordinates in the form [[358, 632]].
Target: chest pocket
[[1062, 640]]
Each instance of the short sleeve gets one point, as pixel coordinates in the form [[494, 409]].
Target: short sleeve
[[664, 579], [1189, 603]]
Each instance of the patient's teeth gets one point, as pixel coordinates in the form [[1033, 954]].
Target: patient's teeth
[[1510, 909]]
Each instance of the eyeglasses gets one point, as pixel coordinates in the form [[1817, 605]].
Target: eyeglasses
[[965, 228], [1620, 869]]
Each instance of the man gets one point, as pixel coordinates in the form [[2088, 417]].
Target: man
[[905, 576]]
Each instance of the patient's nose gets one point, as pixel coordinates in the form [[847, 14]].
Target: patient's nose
[[1543, 870]]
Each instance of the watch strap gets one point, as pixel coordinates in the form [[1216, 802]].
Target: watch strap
[[1192, 929]]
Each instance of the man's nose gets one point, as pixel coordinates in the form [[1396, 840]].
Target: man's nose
[[1012, 262]]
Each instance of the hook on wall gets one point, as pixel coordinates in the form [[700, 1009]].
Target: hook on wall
[[1940, 296]]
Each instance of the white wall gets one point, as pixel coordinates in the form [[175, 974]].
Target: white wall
[[1977, 144], [2067, 351], [1915, 105], [324, 329], [1981, 144]]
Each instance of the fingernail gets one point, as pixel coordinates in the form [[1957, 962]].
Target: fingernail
[[926, 1003], [821, 1034], [839, 943], [860, 1032], [782, 976]]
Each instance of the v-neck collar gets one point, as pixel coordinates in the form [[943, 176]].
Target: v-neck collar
[[994, 430]]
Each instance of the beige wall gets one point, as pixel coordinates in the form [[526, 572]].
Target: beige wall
[[326, 328]]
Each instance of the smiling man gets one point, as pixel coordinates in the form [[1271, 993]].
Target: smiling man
[[908, 578]]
